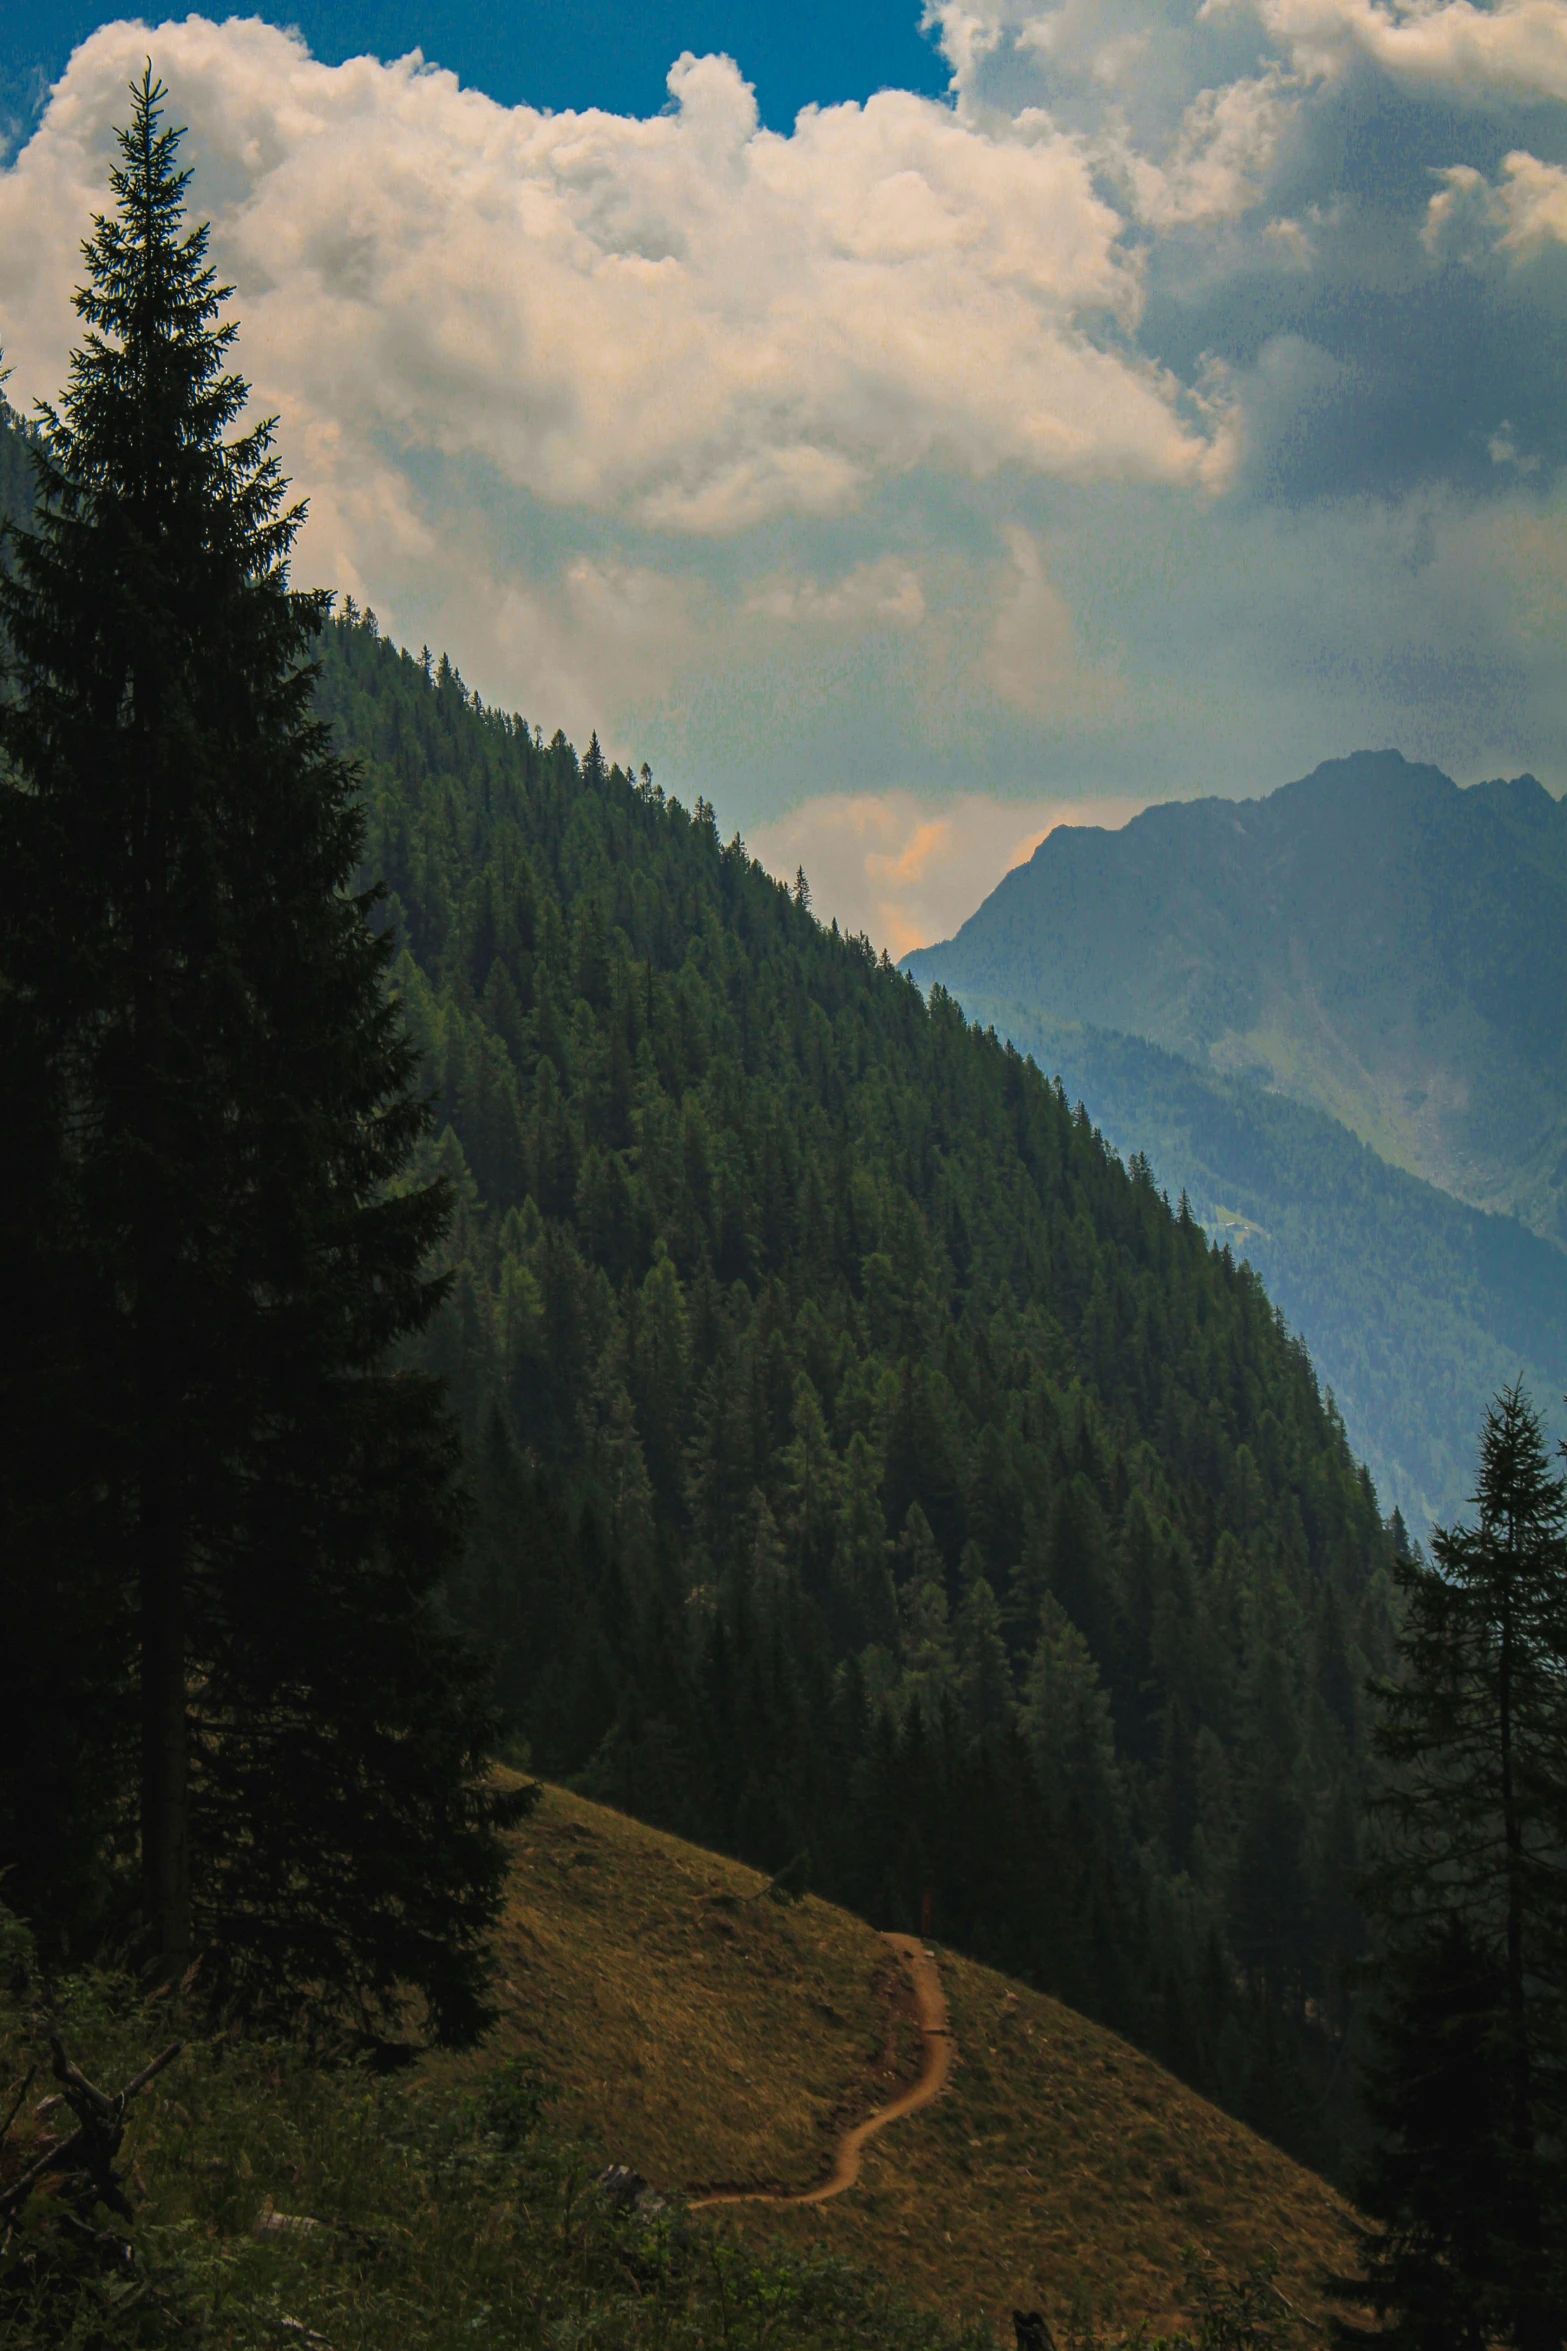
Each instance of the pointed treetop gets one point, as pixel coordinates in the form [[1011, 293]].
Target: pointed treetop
[[152, 353]]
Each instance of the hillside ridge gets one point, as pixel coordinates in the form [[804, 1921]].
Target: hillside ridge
[[867, 1462], [1416, 1307], [864, 1462], [1058, 2167]]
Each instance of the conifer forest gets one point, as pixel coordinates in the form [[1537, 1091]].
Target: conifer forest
[[499, 1291], [867, 1466]]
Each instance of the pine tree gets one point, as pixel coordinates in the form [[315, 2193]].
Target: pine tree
[[979, 1643], [1467, 1894], [210, 1466]]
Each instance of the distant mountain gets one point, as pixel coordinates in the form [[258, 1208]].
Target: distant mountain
[[1372, 940], [1415, 1307]]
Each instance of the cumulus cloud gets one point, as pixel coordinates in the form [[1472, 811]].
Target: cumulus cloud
[[1517, 49], [688, 321], [1523, 214], [1177, 404], [1217, 163], [907, 870], [1152, 94], [1206, 81]]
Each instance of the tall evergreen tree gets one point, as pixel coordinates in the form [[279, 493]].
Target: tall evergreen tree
[[1467, 1894], [228, 1515]]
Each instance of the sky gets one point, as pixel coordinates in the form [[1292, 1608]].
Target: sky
[[910, 431]]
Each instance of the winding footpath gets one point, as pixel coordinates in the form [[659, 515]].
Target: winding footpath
[[935, 2032]]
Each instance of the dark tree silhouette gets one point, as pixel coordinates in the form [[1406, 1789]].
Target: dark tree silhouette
[[1467, 1894], [227, 1515]]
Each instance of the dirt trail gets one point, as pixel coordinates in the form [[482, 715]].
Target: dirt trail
[[931, 2008]]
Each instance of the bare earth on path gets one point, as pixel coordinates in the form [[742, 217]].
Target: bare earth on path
[[936, 2034]]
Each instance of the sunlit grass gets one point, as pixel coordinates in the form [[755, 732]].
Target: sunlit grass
[[659, 2010], [707, 2035], [279, 2200]]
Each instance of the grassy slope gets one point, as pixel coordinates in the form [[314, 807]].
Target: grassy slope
[[707, 2035], [700, 2032], [278, 2198]]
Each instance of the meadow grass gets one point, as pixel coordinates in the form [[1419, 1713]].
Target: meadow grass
[[657, 2008], [710, 2036]]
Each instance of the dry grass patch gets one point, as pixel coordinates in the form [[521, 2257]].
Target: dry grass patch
[[698, 2030], [1062, 2168], [711, 2037]]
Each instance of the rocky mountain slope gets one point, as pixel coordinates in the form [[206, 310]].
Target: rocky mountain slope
[[1371, 939]]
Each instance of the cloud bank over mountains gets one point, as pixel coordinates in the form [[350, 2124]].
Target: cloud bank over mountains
[[1176, 405], [687, 322]]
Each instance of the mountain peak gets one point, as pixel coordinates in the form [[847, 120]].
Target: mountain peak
[[1371, 938], [1386, 770]]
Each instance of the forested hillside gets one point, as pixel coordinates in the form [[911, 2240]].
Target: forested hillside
[[867, 1466], [1416, 1308], [497, 1291], [1370, 939]]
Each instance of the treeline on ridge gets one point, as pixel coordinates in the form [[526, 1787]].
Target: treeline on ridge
[[866, 1464]]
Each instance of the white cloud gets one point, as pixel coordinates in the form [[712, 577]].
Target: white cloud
[[1534, 204], [1135, 81], [1523, 214], [687, 322], [1517, 49], [835, 456], [1127, 80], [885, 593], [1220, 157], [908, 870]]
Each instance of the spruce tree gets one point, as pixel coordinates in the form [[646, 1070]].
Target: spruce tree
[[1467, 1897], [228, 1512]]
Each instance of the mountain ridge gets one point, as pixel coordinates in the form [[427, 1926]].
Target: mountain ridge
[[1371, 938]]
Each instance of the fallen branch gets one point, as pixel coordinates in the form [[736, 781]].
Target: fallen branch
[[16, 2104], [92, 2147]]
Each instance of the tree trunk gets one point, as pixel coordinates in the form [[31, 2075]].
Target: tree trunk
[[165, 1795], [1537, 2328]]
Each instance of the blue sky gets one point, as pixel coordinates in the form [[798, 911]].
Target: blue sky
[[1080, 402], [566, 53]]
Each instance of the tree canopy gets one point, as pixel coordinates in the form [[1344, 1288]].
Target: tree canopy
[[1468, 1896], [867, 1461], [241, 1726]]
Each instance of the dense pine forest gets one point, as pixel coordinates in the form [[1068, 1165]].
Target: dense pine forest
[[491, 1278], [871, 1475], [868, 1473]]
